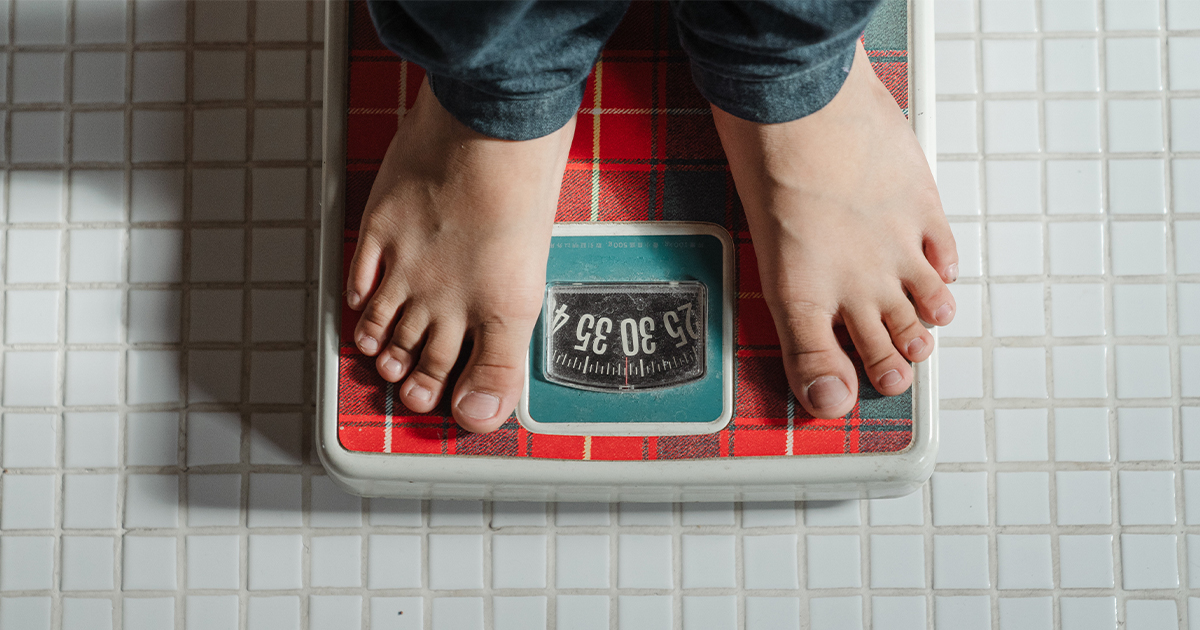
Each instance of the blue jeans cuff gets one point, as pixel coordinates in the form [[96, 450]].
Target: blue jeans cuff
[[776, 100], [507, 118]]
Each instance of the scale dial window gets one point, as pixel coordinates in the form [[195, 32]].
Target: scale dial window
[[625, 337]]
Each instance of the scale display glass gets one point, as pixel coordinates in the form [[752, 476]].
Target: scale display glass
[[625, 337]]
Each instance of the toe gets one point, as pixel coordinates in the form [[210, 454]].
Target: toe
[[888, 371], [818, 370], [364, 272], [400, 355], [931, 296], [941, 252], [909, 336], [427, 381], [491, 381], [378, 317]]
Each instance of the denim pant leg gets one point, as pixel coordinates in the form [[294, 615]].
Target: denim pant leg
[[509, 70], [771, 62]]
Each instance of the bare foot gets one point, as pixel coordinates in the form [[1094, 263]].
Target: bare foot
[[848, 229], [453, 247]]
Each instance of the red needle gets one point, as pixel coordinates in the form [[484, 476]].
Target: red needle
[[626, 370]]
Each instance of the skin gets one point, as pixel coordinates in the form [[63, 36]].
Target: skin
[[843, 209]]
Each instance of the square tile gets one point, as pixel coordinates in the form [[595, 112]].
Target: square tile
[[1187, 246], [281, 23], [1135, 125], [151, 501], [275, 501], [768, 514], [1009, 65], [455, 561], [212, 562], [29, 439], [156, 195], [157, 136], [1133, 64], [216, 315], [154, 316], [960, 373], [834, 561], [1147, 497], [956, 129], [1010, 126], [218, 194], [1026, 613], [217, 255], [1072, 126], [708, 561], [148, 613], [646, 514], [395, 512], [273, 562], [219, 612], [643, 612], [513, 613], [1024, 562], [1022, 498], [1018, 310], [1145, 614], [972, 611], [701, 613], [959, 498], [968, 313], [1077, 310], [401, 613], [1084, 497], [581, 514], [81, 613], [897, 613], [29, 378], [1014, 248], [94, 315], [1185, 132], [275, 439], [35, 196], [37, 136], [1149, 561], [1088, 613], [960, 562], [214, 500], [897, 561], [906, 510], [451, 513], [711, 513], [278, 255], [582, 561], [954, 16], [1069, 65], [1138, 248], [519, 561], [28, 502], [33, 256], [961, 438], [1086, 561], [332, 506], [26, 563], [1019, 372], [95, 256], [1143, 372], [769, 562], [776, 613], [279, 134], [219, 135], [89, 501], [393, 561], [98, 77], [955, 66], [96, 195], [38, 77], [155, 255], [1076, 249], [91, 439], [219, 75], [281, 612], [335, 561], [214, 438], [1020, 435], [98, 137], [1080, 371], [970, 251], [158, 76], [100, 22], [278, 194], [32, 613], [1145, 434], [835, 613], [333, 612], [1008, 16], [277, 315], [644, 561], [279, 75], [1189, 370], [1014, 187], [586, 612], [149, 563], [1131, 15], [1182, 52], [1137, 186], [831, 513], [959, 188], [275, 376]]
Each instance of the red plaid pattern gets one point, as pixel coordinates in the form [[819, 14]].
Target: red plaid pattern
[[645, 149]]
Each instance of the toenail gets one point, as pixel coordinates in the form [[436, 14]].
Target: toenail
[[368, 344], [889, 378], [392, 366], [942, 315], [952, 272], [915, 347], [353, 298], [826, 392], [479, 406], [419, 393]]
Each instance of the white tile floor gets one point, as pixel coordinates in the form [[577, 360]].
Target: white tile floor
[[160, 169]]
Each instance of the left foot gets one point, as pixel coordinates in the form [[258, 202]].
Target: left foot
[[848, 229]]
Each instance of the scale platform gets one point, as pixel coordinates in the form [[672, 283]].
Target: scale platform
[[654, 372]]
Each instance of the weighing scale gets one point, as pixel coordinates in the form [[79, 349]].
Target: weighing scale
[[654, 372]]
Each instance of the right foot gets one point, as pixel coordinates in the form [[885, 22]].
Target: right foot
[[453, 247]]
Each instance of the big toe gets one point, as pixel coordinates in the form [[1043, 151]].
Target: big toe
[[818, 370], [490, 385]]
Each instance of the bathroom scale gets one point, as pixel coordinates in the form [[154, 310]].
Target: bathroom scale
[[654, 372]]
